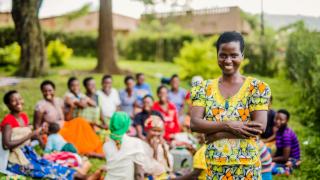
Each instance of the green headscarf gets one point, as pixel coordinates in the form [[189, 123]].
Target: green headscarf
[[119, 125]]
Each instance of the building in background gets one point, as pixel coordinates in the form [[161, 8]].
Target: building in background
[[207, 21], [88, 22]]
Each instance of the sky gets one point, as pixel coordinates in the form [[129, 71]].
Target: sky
[[134, 8]]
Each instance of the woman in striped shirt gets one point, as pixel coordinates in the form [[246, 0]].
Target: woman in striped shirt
[[287, 155], [266, 161]]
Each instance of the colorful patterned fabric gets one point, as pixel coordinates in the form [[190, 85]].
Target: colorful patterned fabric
[[40, 167], [64, 158], [252, 96], [234, 172], [265, 158], [91, 114]]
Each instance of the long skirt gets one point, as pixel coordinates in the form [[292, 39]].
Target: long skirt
[[40, 167], [79, 133], [234, 172]]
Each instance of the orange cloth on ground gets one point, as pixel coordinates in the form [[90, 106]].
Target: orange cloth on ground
[[79, 132]]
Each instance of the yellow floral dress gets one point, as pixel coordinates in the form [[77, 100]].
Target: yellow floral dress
[[232, 158]]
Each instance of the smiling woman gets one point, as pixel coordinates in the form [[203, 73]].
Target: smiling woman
[[232, 111]]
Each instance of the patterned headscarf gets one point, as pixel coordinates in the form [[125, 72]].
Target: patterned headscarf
[[154, 122], [119, 125]]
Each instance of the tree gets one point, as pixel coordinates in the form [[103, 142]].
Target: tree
[[30, 38], [106, 49]]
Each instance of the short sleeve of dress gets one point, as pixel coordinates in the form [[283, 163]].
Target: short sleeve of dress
[[8, 119], [198, 95], [199, 160], [260, 94], [137, 120]]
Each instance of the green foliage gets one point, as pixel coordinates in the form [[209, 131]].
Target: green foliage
[[153, 41], [82, 43], [84, 10], [7, 36], [303, 63], [261, 50], [199, 57], [10, 55], [58, 53]]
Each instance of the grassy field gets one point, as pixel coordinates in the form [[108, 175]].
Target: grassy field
[[285, 94]]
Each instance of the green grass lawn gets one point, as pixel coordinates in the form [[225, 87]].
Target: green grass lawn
[[285, 94]]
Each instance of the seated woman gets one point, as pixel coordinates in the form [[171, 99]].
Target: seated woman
[[157, 148], [169, 113], [16, 136], [128, 97], [75, 130], [125, 156], [140, 118]]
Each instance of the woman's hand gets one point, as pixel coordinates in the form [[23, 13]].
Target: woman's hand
[[244, 129], [36, 133]]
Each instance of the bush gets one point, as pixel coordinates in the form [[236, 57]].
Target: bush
[[303, 63], [10, 55], [262, 52], [7, 36], [82, 43], [200, 58], [153, 41], [58, 53]]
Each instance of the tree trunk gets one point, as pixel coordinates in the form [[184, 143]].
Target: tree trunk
[[106, 50], [30, 38]]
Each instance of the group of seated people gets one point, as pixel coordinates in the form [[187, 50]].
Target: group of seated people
[[129, 129], [281, 142]]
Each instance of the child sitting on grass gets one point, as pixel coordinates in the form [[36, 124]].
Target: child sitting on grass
[[56, 142]]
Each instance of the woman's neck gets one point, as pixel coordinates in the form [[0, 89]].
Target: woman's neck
[[175, 90], [15, 114], [90, 94], [163, 102], [231, 78], [129, 91], [75, 93]]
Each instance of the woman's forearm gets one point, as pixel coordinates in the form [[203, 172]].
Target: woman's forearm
[[207, 127], [221, 135], [201, 125], [11, 144]]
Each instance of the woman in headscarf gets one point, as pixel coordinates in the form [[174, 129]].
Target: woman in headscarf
[[126, 157], [75, 130], [157, 148]]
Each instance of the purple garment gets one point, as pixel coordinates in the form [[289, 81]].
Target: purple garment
[[178, 98], [127, 102], [287, 138]]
